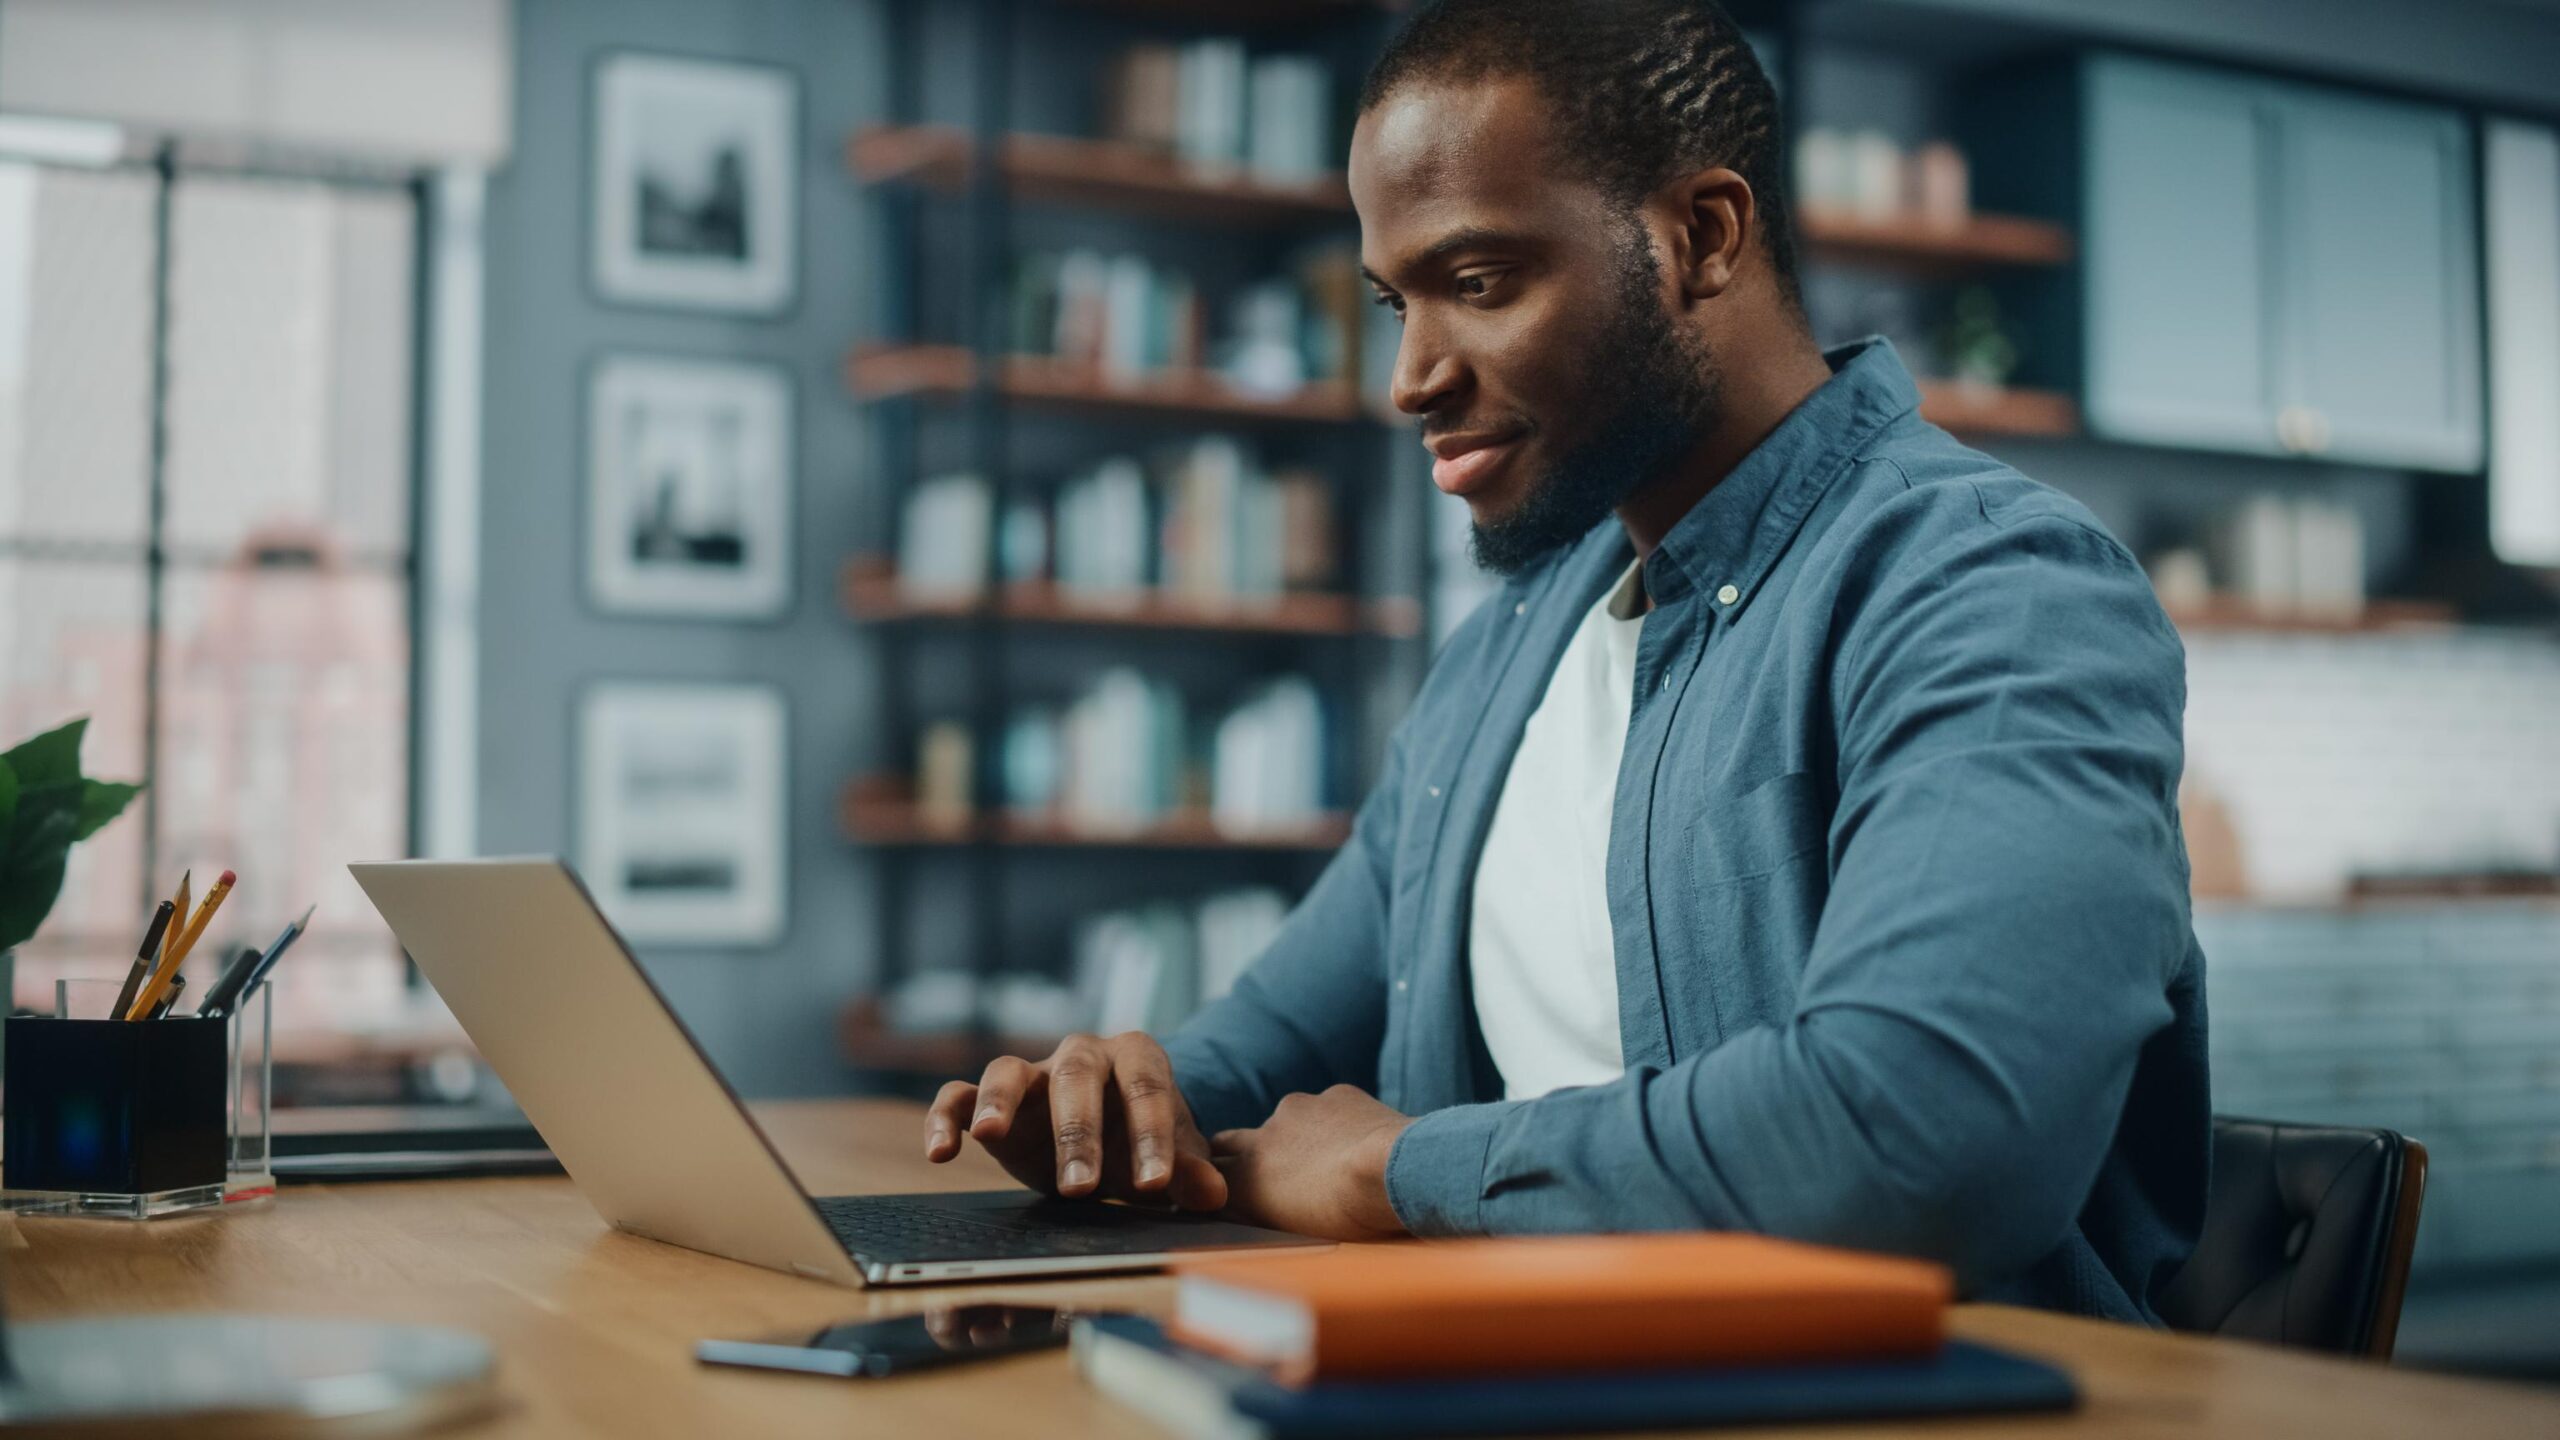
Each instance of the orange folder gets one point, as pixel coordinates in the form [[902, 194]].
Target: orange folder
[[1559, 1304]]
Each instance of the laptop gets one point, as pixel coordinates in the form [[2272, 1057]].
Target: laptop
[[658, 1142]]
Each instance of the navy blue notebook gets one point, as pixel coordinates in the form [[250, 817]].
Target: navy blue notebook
[[1199, 1396]]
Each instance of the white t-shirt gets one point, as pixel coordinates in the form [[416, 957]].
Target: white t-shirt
[[1539, 949]]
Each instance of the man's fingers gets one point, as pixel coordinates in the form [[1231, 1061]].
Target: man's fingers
[[1198, 1183], [1000, 1093], [944, 1121], [1077, 1074], [1144, 1078]]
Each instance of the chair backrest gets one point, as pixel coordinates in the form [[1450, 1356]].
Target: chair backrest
[[2307, 1234]]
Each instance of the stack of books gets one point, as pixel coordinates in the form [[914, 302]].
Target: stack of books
[[1522, 1336], [1121, 756], [1214, 106], [1205, 521], [1129, 317]]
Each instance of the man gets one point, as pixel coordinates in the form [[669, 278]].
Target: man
[[1791, 845]]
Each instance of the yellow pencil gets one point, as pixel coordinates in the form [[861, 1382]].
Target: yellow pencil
[[178, 916], [176, 957]]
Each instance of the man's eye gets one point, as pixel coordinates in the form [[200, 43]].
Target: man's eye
[[1476, 287], [1390, 302]]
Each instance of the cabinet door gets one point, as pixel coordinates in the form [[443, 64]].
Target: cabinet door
[[2180, 315], [2379, 252]]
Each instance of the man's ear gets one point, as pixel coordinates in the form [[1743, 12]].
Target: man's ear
[[1713, 214]]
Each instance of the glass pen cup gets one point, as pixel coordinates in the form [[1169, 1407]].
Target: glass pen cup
[[134, 1120]]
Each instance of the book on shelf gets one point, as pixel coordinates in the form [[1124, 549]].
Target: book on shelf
[[1128, 753], [1289, 102], [1150, 967], [1130, 317], [1145, 967], [2278, 555], [1267, 759], [942, 537], [1209, 101], [1206, 522], [1218, 108], [1234, 928]]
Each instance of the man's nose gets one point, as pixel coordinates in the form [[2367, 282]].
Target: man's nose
[[1428, 372]]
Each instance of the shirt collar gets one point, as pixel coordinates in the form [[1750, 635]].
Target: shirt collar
[[1626, 599], [1731, 537]]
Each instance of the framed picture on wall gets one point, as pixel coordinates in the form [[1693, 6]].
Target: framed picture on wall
[[696, 174], [689, 488], [680, 810]]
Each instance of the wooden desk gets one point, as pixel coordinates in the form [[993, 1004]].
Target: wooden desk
[[595, 1330]]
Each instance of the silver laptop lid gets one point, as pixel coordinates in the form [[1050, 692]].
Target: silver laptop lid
[[652, 1135]]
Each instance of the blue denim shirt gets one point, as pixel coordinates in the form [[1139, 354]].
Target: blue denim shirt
[[1895, 877]]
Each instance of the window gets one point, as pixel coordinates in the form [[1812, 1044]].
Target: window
[[240, 634]]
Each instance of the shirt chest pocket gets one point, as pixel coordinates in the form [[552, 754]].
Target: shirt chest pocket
[[1769, 827]]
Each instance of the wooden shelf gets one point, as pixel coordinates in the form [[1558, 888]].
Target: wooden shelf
[[1994, 410], [1101, 174], [947, 372], [2232, 613], [875, 812], [1921, 244], [872, 593]]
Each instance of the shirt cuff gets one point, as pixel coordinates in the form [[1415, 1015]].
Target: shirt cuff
[[1435, 1173]]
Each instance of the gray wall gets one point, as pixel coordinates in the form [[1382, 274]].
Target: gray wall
[[767, 1016]]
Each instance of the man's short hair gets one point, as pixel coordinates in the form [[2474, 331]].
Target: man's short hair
[[1642, 90]]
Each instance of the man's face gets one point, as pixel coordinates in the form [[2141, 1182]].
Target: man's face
[[1539, 346]]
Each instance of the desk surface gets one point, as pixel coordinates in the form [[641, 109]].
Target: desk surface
[[595, 1330]]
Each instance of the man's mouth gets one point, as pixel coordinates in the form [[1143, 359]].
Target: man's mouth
[[1461, 464]]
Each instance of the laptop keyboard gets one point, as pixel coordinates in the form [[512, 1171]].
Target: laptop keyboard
[[894, 1228]]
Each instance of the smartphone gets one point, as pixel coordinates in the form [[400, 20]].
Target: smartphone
[[867, 1348]]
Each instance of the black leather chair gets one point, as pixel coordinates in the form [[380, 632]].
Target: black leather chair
[[2307, 1234]]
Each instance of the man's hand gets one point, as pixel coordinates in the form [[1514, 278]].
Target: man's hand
[[1318, 1166], [1098, 1117]]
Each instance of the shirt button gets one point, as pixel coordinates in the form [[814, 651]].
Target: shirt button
[[1435, 792], [1402, 986], [1520, 609], [1666, 683], [1727, 595]]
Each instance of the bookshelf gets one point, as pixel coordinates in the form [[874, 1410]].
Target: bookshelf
[[2233, 614], [984, 413], [1999, 410], [1093, 174], [871, 592], [950, 373], [876, 810], [1925, 246]]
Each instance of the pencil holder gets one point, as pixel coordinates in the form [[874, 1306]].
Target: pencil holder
[[133, 1120]]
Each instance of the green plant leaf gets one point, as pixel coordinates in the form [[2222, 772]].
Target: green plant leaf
[[25, 897], [51, 757], [100, 802], [31, 871], [8, 800], [48, 816]]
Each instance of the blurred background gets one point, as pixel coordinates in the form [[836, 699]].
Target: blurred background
[[902, 494]]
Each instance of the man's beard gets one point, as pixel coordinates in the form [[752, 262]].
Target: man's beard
[[1664, 396]]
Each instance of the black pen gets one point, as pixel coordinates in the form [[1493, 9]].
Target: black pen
[[142, 963], [168, 998], [226, 986], [246, 973]]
